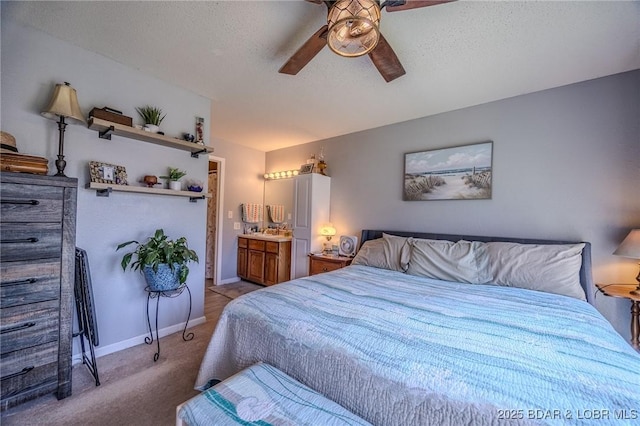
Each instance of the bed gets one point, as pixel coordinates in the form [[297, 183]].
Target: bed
[[396, 346]]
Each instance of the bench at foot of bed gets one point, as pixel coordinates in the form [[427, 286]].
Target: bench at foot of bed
[[263, 394]]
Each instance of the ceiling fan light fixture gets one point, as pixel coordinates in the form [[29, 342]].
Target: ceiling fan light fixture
[[353, 27]]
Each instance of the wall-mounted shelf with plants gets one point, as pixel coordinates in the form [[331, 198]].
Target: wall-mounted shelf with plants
[[107, 128], [104, 189]]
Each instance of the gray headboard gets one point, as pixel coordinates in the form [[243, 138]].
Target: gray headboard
[[586, 279]]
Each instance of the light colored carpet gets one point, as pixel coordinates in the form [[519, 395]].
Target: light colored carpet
[[134, 390], [236, 289]]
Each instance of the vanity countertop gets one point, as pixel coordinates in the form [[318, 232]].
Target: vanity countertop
[[266, 237]]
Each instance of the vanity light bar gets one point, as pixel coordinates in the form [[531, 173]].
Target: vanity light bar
[[281, 175]]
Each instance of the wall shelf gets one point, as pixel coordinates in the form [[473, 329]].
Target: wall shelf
[[107, 128], [104, 189]]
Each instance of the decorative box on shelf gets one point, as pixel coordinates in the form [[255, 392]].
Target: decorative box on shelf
[[112, 115]]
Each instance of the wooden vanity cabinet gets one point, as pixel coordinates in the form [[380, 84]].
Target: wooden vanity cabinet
[[264, 262]]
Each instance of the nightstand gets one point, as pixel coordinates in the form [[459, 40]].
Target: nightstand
[[319, 263], [624, 291]]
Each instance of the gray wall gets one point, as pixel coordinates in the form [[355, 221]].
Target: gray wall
[[32, 62], [243, 183], [566, 166]]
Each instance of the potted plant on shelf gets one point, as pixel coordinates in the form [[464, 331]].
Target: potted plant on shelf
[[174, 177], [152, 117], [162, 262]]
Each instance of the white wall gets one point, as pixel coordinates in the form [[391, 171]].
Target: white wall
[[565, 167], [32, 62]]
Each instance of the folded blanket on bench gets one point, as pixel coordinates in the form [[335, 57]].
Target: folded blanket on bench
[[265, 395]]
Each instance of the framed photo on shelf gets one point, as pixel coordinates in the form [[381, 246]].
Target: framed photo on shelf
[[306, 168], [107, 173]]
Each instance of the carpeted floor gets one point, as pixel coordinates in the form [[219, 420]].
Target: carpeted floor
[[134, 390], [236, 289]]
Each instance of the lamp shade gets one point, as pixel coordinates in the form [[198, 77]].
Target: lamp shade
[[328, 230], [630, 246], [353, 27], [64, 103]]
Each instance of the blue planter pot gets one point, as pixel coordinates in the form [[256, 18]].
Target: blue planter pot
[[164, 279]]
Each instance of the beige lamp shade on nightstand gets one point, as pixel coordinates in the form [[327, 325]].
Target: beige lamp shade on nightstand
[[630, 247]]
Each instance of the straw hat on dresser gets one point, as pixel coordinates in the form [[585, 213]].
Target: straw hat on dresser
[[8, 143], [13, 161]]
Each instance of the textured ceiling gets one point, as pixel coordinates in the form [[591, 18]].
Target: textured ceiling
[[456, 55]]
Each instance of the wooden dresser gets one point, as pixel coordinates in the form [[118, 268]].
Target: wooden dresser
[[264, 261], [37, 270]]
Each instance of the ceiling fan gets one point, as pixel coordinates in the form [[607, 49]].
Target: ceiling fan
[[351, 31]]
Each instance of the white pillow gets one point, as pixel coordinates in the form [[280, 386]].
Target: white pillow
[[371, 254], [397, 252], [461, 261], [553, 268]]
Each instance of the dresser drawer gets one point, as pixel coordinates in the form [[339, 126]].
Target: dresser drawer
[[30, 203], [28, 368], [29, 282], [29, 325], [22, 241]]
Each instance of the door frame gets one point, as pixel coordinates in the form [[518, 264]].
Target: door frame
[[217, 279]]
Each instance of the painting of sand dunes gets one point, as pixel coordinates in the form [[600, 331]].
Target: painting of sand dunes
[[456, 173]]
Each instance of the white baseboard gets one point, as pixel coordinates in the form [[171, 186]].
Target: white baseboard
[[134, 341], [229, 281]]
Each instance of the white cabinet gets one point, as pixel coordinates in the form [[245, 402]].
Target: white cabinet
[[311, 198]]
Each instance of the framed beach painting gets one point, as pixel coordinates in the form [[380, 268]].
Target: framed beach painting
[[457, 173]]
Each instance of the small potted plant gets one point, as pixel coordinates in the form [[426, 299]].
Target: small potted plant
[[152, 117], [162, 262], [174, 177]]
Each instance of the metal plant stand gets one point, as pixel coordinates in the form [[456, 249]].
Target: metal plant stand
[[155, 294]]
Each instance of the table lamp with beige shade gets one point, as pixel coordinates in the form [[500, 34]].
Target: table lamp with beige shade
[[630, 247], [63, 104]]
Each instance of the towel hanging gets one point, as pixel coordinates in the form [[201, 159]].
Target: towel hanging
[[251, 213], [276, 213]]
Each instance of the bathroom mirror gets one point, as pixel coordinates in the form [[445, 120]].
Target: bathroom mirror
[[278, 193]]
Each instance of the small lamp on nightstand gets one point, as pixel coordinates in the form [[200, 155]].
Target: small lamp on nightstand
[[327, 231], [630, 247]]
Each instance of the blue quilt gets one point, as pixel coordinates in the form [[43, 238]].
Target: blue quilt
[[397, 349], [262, 395]]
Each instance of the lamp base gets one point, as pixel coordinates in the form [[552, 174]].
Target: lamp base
[[60, 165], [637, 290]]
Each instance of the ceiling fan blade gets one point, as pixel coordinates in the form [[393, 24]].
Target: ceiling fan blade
[[394, 6], [316, 1], [306, 52], [385, 59]]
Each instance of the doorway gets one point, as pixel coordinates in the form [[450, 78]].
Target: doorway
[[214, 219]]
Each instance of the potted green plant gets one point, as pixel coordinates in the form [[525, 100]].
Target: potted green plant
[[152, 117], [174, 177], [162, 262]]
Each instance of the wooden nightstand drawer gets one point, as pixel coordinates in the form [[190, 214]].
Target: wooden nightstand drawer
[[320, 264]]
